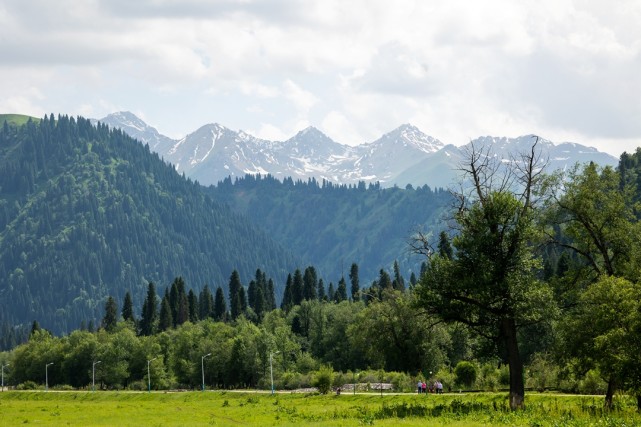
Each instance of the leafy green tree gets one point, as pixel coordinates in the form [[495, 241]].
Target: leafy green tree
[[594, 209], [604, 331], [465, 373], [111, 315], [490, 284]]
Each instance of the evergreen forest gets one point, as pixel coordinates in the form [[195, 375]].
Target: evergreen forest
[[87, 212]]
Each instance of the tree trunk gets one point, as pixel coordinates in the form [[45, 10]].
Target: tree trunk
[[609, 394], [638, 402], [517, 386]]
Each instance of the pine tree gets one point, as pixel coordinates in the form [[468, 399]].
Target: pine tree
[[270, 297], [322, 296], [166, 322], [110, 319], [206, 303], [128, 309], [235, 304], [149, 312], [288, 298], [192, 300], [309, 284], [399, 282], [297, 288], [331, 293], [220, 306], [353, 277], [444, 246], [341, 291]]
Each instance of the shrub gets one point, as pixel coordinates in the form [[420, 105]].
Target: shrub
[[27, 385], [465, 373], [323, 379]]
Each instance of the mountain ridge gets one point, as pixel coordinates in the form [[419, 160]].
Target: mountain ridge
[[404, 155]]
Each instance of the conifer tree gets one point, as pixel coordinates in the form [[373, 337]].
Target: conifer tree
[[192, 301], [309, 284], [128, 309], [288, 297], [149, 316], [270, 298], [235, 304], [341, 291], [220, 306], [206, 303], [322, 296], [353, 277], [331, 293], [297, 288], [166, 322], [399, 282], [110, 319]]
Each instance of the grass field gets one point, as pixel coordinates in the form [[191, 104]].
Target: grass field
[[215, 408]]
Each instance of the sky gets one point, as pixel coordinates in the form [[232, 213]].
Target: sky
[[566, 70]]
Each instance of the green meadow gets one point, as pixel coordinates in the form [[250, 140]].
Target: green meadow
[[215, 408]]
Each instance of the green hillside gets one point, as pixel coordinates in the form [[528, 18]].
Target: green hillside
[[87, 212], [16, 119], [332, 226]]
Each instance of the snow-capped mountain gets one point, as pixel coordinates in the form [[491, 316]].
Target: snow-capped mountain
[[136, 128], [403, 156]]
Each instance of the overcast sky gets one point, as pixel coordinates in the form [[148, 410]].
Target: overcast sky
[[567, 70]]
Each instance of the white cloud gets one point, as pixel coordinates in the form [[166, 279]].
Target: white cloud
[[357, 69]]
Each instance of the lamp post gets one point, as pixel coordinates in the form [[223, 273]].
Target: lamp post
[[148, 375], [271, 370], [3, 366], [47, 376], [355, 375], [93, 375], [202, 367]]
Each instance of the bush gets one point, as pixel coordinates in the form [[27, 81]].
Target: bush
[[323, 379], [27, 385], [465, 374], [592, 383]]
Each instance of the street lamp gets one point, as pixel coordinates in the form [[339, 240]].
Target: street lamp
[[47, 376], [355, 375], [148, 375], [271, 370], [202, 367], [93, 375], [3, 366]]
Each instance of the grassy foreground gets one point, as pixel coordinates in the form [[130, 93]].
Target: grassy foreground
[[258, 409]]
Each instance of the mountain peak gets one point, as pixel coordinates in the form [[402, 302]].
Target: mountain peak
[[408, 134]]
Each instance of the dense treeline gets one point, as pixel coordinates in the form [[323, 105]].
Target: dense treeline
[[86, 211], [329, 225]]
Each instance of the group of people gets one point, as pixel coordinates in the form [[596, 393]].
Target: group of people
[[437, 387]]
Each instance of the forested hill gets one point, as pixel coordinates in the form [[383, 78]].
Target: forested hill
[[332, 226], [87, 212]]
